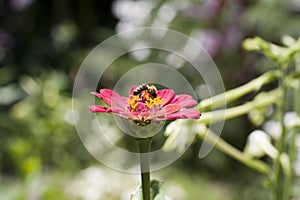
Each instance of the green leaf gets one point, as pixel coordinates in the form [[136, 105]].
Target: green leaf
[[158, 192]]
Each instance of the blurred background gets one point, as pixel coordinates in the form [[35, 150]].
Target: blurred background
[[42, 45]]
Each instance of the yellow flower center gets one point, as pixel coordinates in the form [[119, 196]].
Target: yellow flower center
[[144, 98]]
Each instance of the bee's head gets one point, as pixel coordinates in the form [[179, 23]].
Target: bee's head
[[152, 90]]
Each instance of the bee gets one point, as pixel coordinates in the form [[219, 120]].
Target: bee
[[151, 89]]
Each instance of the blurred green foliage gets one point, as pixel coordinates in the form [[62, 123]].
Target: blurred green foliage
[[42, 44], [38, 130]]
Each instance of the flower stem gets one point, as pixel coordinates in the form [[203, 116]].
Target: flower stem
[[228, 149], [287, 185], [297, 90], [292, 147], [231, 95], [265, 99], [144, 146], [278, 186]]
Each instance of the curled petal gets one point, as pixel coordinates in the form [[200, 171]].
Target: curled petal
[[166, 95], [105, 98], [116, 111], [185, 114], [184, 100], [96, 94], [111, 98]]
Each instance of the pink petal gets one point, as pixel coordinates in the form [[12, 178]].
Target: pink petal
[[185, 114], [140, 116], [166, 110], [111, 98], [184, 100], [117, 111], [132, 89], [95, 108], [106, 98], [166, 95], [96, 94], [171, 108]]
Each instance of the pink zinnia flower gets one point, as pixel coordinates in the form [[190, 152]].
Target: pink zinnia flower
[[145, 104]]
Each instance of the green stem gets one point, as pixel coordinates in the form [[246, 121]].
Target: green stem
[[263, 100], [289, 176], [278, 175], [292, 147], [144, 146], [231, 95], [228, 149], [297, 90]]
